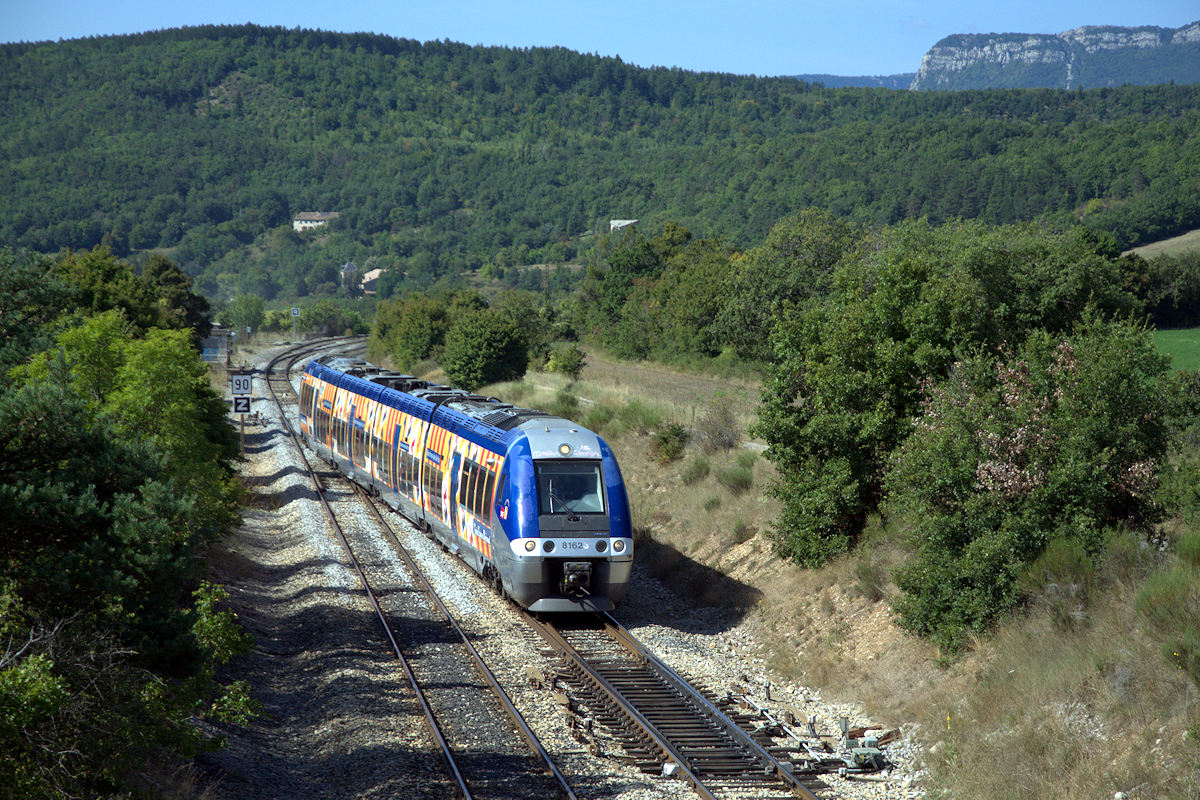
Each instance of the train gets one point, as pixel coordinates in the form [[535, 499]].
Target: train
[[534, 503]]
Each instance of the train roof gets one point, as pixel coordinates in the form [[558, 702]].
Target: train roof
[[487, 421]]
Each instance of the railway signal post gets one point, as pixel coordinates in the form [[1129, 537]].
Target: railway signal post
[[241, 383]]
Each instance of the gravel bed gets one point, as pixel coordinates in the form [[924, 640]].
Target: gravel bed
[[335, 723], [340, 720]]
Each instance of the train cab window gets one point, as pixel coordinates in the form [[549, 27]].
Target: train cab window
[[570, 487]]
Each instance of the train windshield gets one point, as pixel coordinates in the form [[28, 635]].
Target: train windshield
[[570, 487]]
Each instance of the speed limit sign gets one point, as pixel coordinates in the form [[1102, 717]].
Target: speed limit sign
[[241, 383]]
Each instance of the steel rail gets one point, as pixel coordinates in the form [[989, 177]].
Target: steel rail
[[430, 721], [487, 674], [560, 643], [626, 639]]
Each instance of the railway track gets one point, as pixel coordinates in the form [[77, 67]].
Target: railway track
[[664, 723], [502, 776]]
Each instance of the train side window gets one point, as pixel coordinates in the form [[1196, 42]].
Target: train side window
[[489, 483], [388, 460], [433, 487], [306, 395]]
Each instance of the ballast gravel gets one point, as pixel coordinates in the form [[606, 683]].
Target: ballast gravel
[[339, 720]]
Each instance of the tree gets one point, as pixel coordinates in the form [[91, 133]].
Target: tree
[[170, 290], [847, 374], [246, 311], [483, 347], [794, 264], [414, 328], [104, 282], [33, 295]]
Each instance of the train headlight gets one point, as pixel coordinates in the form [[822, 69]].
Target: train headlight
[[619, 546], [564, 449], [547, 545], [601, 546], [530, 545]]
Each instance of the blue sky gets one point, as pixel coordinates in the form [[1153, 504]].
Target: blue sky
[[851, 37]]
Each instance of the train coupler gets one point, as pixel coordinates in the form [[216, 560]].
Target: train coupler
[[577, 578]]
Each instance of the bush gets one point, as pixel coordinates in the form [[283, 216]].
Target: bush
[[566, 358], [743, 532], [695, 471], [1061, 580], [1057, 445], [737, 480], [638, 417], [596, 417], [668, 444], [869, 580], [717, 428], [565, 405], [849, 373]]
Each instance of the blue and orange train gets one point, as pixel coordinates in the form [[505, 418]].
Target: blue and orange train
[[533, 502]]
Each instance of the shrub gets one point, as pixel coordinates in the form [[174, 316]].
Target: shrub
[[717, 428], [1169, 602], [743, 532], [712, 503], [565, 405], [869, 580], [1060, 443], [668, 443], [1188, 549], [566, 358], [596, 417], [737, 480], [638, 417], [695, 471], [1061, 580], [848, 373]]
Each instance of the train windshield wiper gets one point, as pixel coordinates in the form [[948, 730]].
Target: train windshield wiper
[[571, 515]]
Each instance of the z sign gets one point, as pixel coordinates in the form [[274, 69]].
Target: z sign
[[241, 405]]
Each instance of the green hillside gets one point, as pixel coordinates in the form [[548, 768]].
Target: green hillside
[[442, 157]]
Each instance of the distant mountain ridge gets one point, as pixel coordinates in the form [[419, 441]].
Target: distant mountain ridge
[[1091, 57]]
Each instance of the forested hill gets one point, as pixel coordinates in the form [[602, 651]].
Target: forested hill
[[442, 157]]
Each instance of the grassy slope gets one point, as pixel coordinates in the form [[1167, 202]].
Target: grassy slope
[[1070, 700], [1170, 247], [1183, 345]]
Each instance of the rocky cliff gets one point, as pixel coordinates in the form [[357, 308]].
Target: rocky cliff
[[1087, 57]]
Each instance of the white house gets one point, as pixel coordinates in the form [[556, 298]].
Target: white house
[[307, 220], [617, 224], [369, 279]]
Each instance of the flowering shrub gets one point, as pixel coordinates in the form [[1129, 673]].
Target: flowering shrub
[[1012, 451]]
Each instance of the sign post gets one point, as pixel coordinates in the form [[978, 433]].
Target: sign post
[[295, 316], [241, 384]]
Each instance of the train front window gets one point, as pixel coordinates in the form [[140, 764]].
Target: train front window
[[570, 487]]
